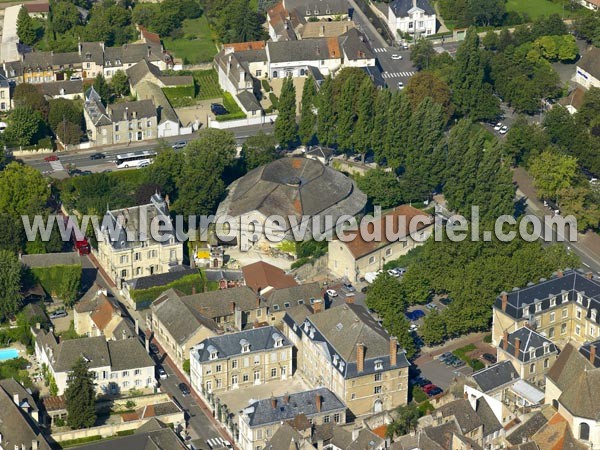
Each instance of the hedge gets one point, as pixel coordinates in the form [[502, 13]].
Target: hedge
[[62, 281], [184, 284], [232, 116], [230, 104], [83, 440]]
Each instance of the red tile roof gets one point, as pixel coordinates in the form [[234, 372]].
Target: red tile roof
[[43, 7], [261, 275], [242, 46]]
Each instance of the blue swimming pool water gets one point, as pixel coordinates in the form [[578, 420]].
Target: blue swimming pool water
[[8, 353]]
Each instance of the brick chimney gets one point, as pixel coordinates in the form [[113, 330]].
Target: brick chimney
[[193, 290], [286, 398], [318, 401], [34, 444], [393, 350], [505, 340], [559, 273], [317, 306], [16, 399], [517, 347], [592, 353], [589, 275], [360, 357], [232, 307], [504, 300], [273, 402], [350, 299]]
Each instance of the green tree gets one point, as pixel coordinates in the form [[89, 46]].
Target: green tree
[[62, 109], [119, 84], [308, 120], [167, 170], [427, 84], [365, 111], [10, 284], [102, 88], [552, 172], [23, 190], [286, 129], [30, 95], [472, 93], [397, 131], [433, 330], [580, 202], [24, 126], [240, 23], [109, 22], [406, 420], [69, 133], [11, 233], [326, 113], [382, 188], [380, 118], [80, 396], [422, 54], [524, 140], [491, 40], [346, 114], [64, 16], [25, 27], [259, 150]]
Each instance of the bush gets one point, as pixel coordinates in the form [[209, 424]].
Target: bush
[[83, 440], [425, 408], [476, 365], [265, 85], [274, 99], [61, 281], [186, 366], [418, 395], [184, 284], [487, 338], [300, 262]]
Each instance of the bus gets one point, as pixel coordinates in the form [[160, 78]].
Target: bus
[[135, 159]]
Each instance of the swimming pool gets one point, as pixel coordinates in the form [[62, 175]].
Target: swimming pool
[[8, 353]]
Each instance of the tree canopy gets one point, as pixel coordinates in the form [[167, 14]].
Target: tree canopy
[[80, 396]]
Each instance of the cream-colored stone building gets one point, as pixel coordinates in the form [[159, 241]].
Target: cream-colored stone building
[[346, 350], [261, 419], [128, 248], [238, 360], [399, 231]]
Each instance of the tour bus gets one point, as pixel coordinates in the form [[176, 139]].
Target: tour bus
[[135, 159]]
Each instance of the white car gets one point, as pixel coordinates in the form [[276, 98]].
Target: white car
[[331, 293], [370, 276], [498, 126], [162, 374], [393, 273], [504, 130], [405, 46], [396, 57], [400, 85]]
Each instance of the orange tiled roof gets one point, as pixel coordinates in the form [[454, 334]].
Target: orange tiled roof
[[261, 275], [103, 314], [242, 46]]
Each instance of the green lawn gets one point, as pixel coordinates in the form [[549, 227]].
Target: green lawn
[[534, 8], [197, 44]]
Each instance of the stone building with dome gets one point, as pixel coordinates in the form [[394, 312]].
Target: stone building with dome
[[290, 188]]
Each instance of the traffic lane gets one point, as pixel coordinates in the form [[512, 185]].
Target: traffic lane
[[366, 26]]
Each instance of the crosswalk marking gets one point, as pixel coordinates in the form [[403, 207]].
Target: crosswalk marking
[[56, 166], [380, 50], [214, 443], [397, 74]]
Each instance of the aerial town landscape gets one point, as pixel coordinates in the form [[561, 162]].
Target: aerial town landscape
[[300, 225]]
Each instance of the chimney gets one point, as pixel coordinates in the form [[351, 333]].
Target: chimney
[[193, 290], [16, 399], [34, 444], [504, 300], [589, 275], [505, 340], [147, 345], [258, 301], [273, 402], [350, 299], [126, 112], [592, 353], [322, 33], [317, 306], [318, 401], [149, 52], [517, 347], [559, 273], [360, 357], [286, 398], [393, 350], [137, 327], [232, 307]]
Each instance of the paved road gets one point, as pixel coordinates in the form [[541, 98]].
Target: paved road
[[81, 159]]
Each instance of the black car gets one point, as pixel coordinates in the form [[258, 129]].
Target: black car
[[98, 156], [185, 390], [218, 109], [154, 348], [489, 358]]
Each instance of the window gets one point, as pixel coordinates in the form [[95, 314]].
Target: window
[[552, 316], [283, 370], [336, 417], [411, 25], [219, 368], [114, 376], [552, 302], [259, 73], [125, 384], [273, 373], [245, 377], [378, 365], [563, 328], [286, 304], [218, 381], [138, 382], [124, 273], [256, 360], [326, 419], [538, 307], [125, 373], [577, 330], [551, 332], [546, 363], [578, 313], [234, 379], [584, 431], [377, 390], [256, 376], [353, 396], [124, 259], [208, 386], [137, 372], [579, 298], [259, 434], [592, 330], [234, 364], [532, 368], [117, 137], [371, 259], [137, 256], [213, 355], [565, 312], [377, 377], [388, 251], [593, 314]]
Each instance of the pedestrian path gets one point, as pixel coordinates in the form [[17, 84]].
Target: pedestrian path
[[397, 74], [56, 166], [380, 50]]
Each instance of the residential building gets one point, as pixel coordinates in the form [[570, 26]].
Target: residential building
[[96, 314], [22, 398], [118, 366], [571, 388], [356, 256], [287, 437], [590, 4], [281, 300], [531, 354], [238, 360], [344, 349], [588, 67], [38, 10], [263, 277], [154, 281], [5, 94], [177, 326], [413, 17], [18, 428], [129, 250], [563, 308], [307, 9], [92, 58], [68, 89], [261, 419]]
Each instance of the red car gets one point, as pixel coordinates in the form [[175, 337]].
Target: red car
[[429, 387], [51, 158]]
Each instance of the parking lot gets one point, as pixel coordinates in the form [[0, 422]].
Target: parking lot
[[442, 375]]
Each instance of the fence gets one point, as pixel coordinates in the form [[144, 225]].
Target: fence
[[262, 120]]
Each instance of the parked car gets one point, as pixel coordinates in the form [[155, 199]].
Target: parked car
[[498, 126], [429, 387], [431, 306], [97, 156], [489, 358], [415, 315], [370, 276], [405, 46], [504, 129], [400, 85], [218, 110], [50, 158], [331, 293], [393, 273], [420, 381], [178, 145], [184, 388], [144, 164], [396, 57], [154, 348], [458, 363], [401, 270], [413, 327], [162, 374], [445, 356], [58, 314], [435, 391], [349, 287]]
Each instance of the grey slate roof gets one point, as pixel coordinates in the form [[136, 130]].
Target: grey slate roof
[[465, 417], [294, 295], [161, 279], [51, 259], [13, 387], [223, 274], [154, 94], [179, 320], [92, 52], [4, 83], [590, 62], [138, 109], [585, 350], [249, 101], [335, 7], [532, 346], [229, 345], [495, 376], [162, 439], [366, 440], [521, 303], [355, 46], [57, 88], [527, 429], [17, 427], [262, 412], [341, 328], [286, 438], [140, 70], [488, 418], [95, 109], [219, 303], [128, 354], [401, 8], [438, 437], [332, 433], [303, 50]]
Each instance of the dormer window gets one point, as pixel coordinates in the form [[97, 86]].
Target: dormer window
[[546, 347], [538, 307], [278, 340], [342, 364], [531, 353], [532, 309], [308, 12], [552, 302], [301, 302], [565, 297], [579, 298], [286, 304], [316, 12], [276, 308], [593, 314], [378, 365], [245, 346], [213, 353]]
